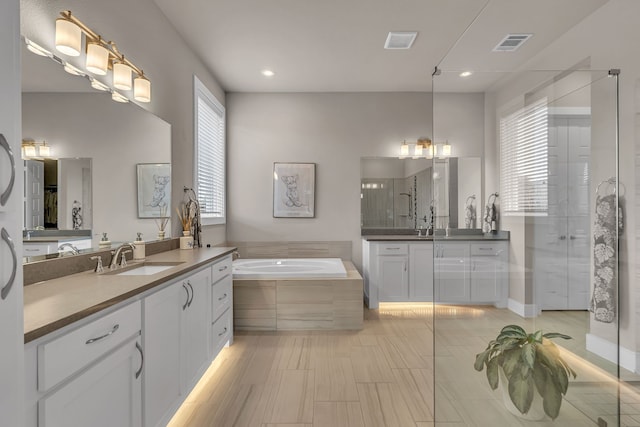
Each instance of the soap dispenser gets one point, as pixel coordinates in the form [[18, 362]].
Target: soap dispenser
[[139, 248], [104, 242]]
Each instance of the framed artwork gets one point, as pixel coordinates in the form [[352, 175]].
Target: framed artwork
[[294, 190], [154, 190]]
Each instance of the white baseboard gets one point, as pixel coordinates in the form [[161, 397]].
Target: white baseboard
[[629, 360], [522, 310]]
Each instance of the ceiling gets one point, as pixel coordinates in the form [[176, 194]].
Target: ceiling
[[337, 45]]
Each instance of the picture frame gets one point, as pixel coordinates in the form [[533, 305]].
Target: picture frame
[[294, 190], [154, 190]]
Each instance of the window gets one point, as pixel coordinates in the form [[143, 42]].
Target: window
[[524, 165], [209, 164]]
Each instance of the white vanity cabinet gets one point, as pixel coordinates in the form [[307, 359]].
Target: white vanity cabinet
[[176, 341], [451, 265], [221, 305], [490, 272], [89, 374], [393, 271], [420, 272]]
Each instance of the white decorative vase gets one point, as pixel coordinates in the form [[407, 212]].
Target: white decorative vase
[[160, 234], [186, 241], [536, 412]]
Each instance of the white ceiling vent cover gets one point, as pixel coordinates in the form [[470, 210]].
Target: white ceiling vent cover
[[512, 42], [400, 39]]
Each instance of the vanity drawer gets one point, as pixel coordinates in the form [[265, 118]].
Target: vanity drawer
[[221, 269], [393, 249], [222, 296], [69, 353], [487, 249], [222, 331]]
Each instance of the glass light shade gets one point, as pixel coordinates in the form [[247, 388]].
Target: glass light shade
[[121, 76], [68, 37], [44, 150], [404, 149], [97, 59], [29, 150], [430, 151], [73, 70], [99, 85], [446, 149], [142, 89], [119, 97], [417, 151], [36, 48]]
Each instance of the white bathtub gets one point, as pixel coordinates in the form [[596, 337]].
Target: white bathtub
[[288, 268]]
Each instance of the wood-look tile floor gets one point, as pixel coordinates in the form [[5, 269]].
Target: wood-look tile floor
[[384, 375]]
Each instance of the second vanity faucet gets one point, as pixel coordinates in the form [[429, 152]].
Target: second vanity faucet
[[120, 253]]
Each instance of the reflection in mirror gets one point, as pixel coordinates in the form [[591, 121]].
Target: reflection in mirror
[[95, 145], [420, 193]]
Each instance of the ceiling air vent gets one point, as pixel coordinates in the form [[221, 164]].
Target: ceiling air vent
[[400, 39], [512, 42]]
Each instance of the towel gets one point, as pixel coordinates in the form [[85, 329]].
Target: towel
[[603, 302]]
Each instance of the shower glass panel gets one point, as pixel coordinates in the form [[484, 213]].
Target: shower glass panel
[[547, 259]]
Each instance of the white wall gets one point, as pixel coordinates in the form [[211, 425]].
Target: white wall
[[333, 130], [123, 136], [144, 34]]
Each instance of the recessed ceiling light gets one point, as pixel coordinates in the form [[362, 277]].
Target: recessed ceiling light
[[268, 73], [465, 73]]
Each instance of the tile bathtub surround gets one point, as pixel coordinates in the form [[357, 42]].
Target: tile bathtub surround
[[301, 249], [54, 268]]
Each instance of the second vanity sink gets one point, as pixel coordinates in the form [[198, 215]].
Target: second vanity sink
[[144, 269]]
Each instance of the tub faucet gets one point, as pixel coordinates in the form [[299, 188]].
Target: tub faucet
[[73, 249], [120, 252]]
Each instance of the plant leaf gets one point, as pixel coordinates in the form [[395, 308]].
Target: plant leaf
[[516, 329], [521, 392], [537, 336], [552, 400], [481, 358], [561, 379], [492, 373], [529, 354], [510, 361], [540, 377], [557, 335]]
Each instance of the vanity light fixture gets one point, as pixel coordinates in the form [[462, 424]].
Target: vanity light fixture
[[118, 97], [404, 149], [73, 70], [99, 85], [423, 148], [30, 148], [443, 150], [36, 48], [44, 150], [101, 56]]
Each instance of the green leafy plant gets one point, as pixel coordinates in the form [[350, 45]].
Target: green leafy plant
[[531, 362]]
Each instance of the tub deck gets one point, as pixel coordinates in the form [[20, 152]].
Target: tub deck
[[299, 303]]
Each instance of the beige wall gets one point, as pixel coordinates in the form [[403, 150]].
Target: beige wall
[[333, 130], [144, 34]]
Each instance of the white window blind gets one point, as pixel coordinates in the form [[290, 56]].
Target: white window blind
[[524, 165], [209, 174]]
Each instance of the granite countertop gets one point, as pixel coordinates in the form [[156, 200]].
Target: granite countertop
[[46, 239], [55, 303], [438, 238]]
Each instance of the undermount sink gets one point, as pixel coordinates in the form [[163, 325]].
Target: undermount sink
[[145, 268]]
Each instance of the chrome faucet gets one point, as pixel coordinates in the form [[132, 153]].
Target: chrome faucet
[[74, 250], [120, 252]]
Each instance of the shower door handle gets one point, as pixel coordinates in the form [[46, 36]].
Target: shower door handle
[[563, 237], [4, 292], [4, 196]]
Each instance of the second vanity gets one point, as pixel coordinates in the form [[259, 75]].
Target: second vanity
[[118, 349], [460, 269]]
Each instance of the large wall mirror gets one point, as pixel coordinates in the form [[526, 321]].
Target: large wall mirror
[[420, 193], [95, 146]]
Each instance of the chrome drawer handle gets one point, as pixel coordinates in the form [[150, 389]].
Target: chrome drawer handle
[[223, 332], [141, 360], [222, 297], [223, 268], [111, 332], [4, 197], [7, 287], [190, 287], [188, 296]]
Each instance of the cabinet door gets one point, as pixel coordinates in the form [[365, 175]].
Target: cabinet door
[[11, 324], [161, 338], [107, 394], [392, 272], [452, 272], [421, 272], [486, 285], [196, 326]]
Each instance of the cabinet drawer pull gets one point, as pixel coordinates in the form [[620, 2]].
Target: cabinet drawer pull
[[14, 259], [188, 297], [223, 268], [190, 287], [393, 249], [222, 297], [4, 197], [223, 332], [139, 371], [111, 332]]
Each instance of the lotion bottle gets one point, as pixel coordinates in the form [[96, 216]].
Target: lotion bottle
[[139, 248]]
